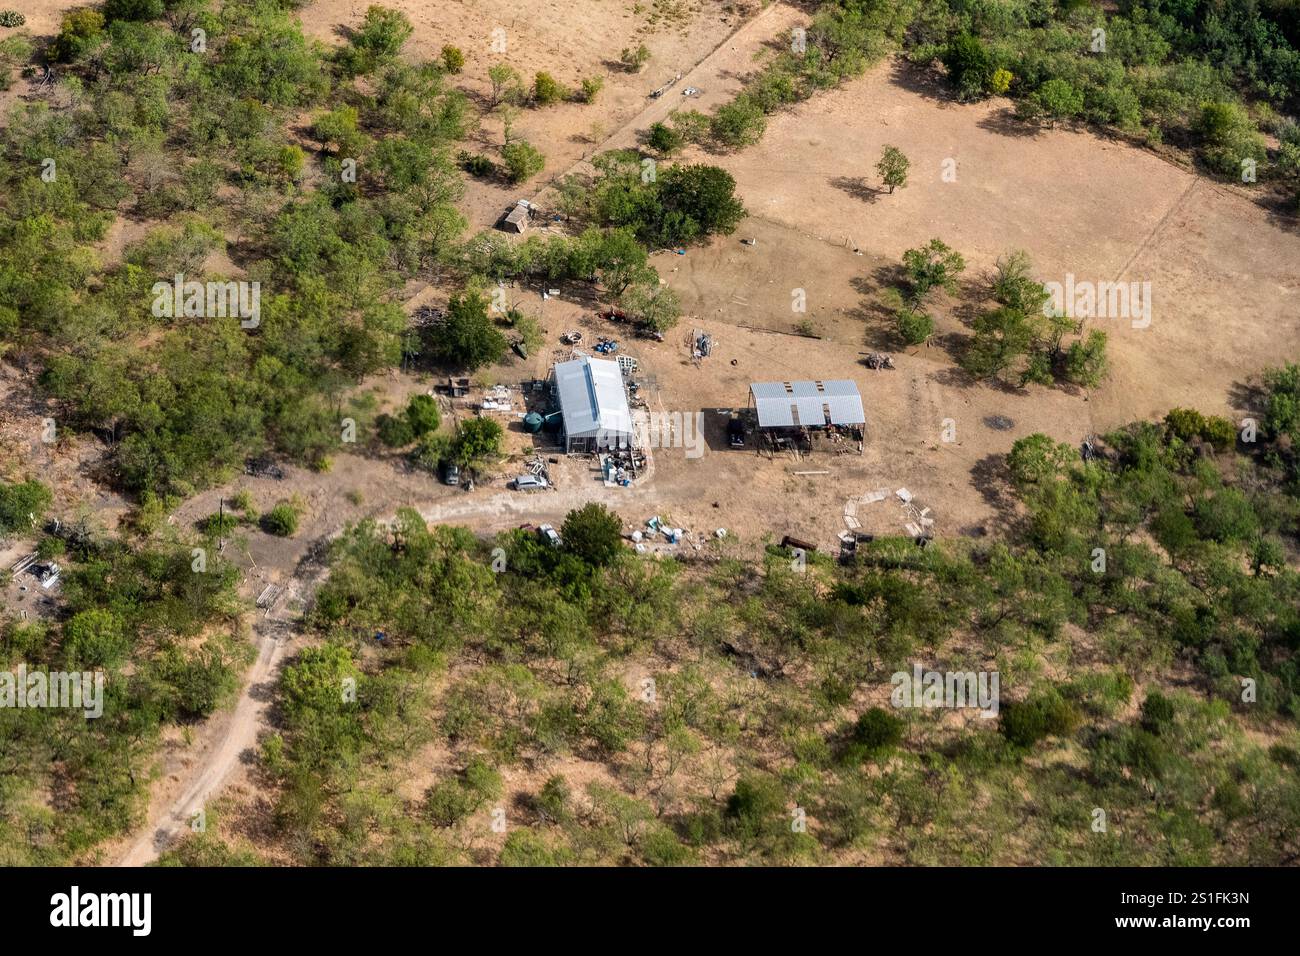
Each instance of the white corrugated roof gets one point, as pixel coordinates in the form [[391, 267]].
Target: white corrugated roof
[[814, 404], [592, 397]]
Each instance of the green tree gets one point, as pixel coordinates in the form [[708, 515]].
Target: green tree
[[593, 533], [478, 440], [664, 139], [377, 41], [970, 65], [933, 265], [893, 167], [467, 337], [914, 325]]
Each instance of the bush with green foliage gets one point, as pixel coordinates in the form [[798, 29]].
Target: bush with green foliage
[[281, 520], [522, 161], [594, 534], [22, 505], [1025, 723], [467, 337], [478, 440], [394, 430], [547, 90], [453, 59], [422, 414], [664, 139]]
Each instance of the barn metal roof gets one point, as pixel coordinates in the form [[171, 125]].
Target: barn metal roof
[[809, 403], [592, 397]]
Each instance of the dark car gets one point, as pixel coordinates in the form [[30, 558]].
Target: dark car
[[736, 433], [451, 474]]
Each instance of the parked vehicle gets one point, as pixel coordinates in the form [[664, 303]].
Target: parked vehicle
[[531, 483], [550, 535], [451, 474], [736, 433]]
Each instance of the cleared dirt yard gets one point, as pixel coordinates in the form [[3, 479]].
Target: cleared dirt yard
[[1225, 277]]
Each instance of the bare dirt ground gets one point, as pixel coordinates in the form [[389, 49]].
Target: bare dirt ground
[[1225, 277]]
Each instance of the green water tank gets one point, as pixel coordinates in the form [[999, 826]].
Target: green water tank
[[533, 423]]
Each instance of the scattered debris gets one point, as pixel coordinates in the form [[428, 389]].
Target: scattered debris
[[879, 360]]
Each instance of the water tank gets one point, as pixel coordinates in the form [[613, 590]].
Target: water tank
[[533, 423]]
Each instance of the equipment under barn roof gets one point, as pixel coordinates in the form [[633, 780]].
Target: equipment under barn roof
[[593, 403], [807, 404]]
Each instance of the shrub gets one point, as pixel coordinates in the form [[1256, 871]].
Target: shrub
[[422, 414], [591, 88], [634, 60], [664, 139], [878, 732], [547, 90], [281, 521], [523, 161], [1157, 712], [22, 505], [133, 10], [914, 326], [738, 123], [1045, 715], [77, 33], [453, 60], [1225, 516], [219, 524], [1188, 424], [476, 164], [393, 431], [11, 18]]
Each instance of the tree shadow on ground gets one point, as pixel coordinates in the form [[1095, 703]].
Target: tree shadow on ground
[[857, 187], [1005, 123], [990, 477], [924, 81]]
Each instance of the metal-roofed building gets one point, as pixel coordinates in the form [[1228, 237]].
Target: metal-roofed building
[[593, 405], [807, 404]]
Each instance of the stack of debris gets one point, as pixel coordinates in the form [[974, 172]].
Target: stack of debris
[[917, 520], [497, 399], [879, 360]]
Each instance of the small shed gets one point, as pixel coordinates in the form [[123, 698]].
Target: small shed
[[593, 405], [516, 220]]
